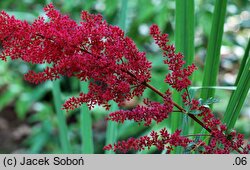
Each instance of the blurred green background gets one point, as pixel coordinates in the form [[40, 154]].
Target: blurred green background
[[28, 123]]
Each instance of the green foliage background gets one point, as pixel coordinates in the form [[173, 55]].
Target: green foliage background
[[32, 107]]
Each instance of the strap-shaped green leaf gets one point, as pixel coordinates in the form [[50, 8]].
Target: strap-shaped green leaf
[[239, 95], [212, 61], [86, 125], [184, 42]]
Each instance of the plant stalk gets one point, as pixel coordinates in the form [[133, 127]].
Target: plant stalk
[[86, 125], [179, 107], [61, 118]]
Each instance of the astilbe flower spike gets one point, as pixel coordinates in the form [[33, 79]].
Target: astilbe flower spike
[[162, 140], [150, 111], [100, 53], [91, 50], [220, 141], [178, 77]]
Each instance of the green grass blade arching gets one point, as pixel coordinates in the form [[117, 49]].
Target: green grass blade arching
[[243, 62], [61, 118], [184, 42], [112, 127], [212, 61], [86, 125], [239, 95]]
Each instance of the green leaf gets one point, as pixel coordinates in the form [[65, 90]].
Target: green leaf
[[112, 129], [184, 42], [213, 52], [209, 101], [26, 100], [238, 97], [86, 125], [9, 95], [61, 118], [243, 62], [212, 60], [39, 137]]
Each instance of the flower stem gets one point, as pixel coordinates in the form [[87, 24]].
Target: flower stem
[[184, 111], [162, 95], [178, 106]]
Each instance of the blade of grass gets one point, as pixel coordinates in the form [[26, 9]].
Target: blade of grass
[[176, 119], [86, 125], [211, 68], [243, 62], [112, 127], [123, 14], [61, 118], [184, 42], [184, 31], [239, 95]]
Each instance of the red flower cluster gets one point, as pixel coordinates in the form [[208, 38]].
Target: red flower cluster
[[162, 140], [91, 50], [151, 111], [221, 142], [178, 78], [100, 53]]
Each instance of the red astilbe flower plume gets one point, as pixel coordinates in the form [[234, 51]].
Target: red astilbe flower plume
[[100, 53], [162, 140], [178, 77], [150, 111], [221, 141], [91, 50]]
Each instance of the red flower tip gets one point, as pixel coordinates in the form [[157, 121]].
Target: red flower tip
[[48, 7], [91, 50]]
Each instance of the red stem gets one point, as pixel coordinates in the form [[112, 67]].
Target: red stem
[[183, 110], [179, 107]]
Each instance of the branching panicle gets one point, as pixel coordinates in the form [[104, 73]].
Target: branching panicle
[[100, 53], [92, 50]]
